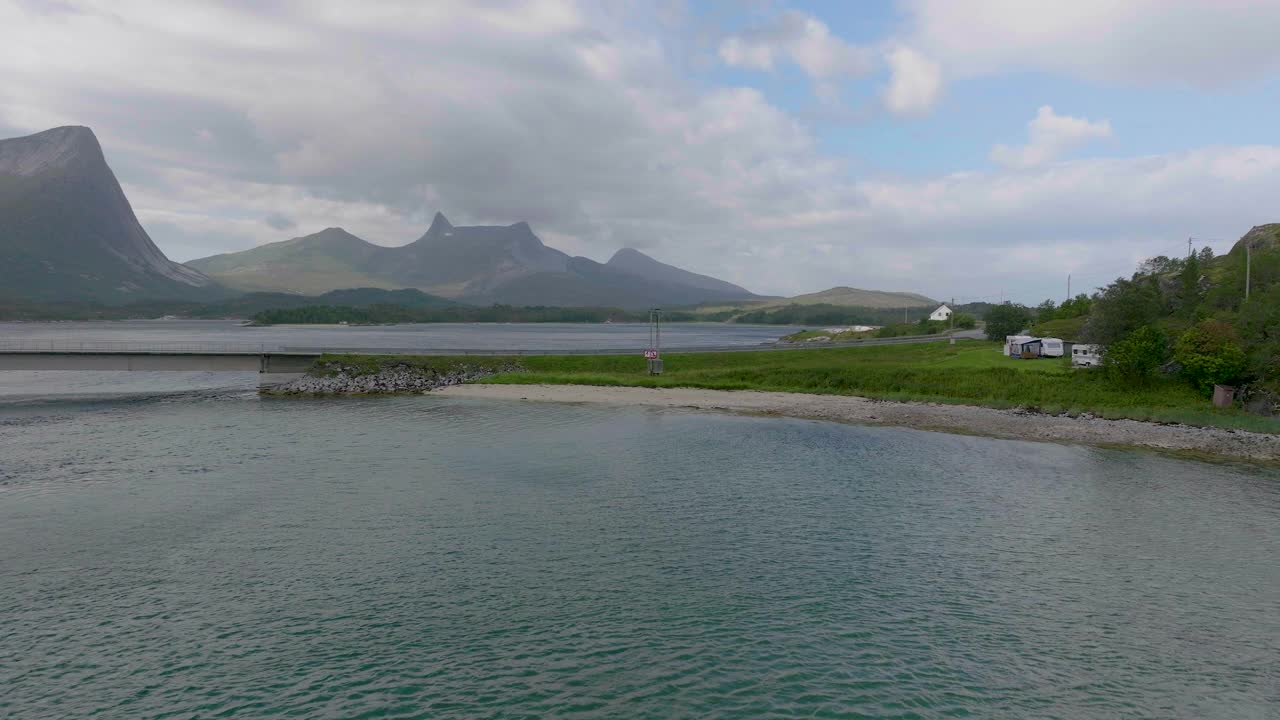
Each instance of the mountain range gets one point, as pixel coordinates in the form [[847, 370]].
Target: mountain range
[[478, 264], [69, 234]]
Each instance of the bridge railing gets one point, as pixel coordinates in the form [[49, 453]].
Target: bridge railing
[[101, 346]]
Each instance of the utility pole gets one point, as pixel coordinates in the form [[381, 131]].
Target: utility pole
[[1188, 247], [1248, 263], [653, 356], [1068, 286]]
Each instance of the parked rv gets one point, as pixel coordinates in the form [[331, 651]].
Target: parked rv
[[1029, 347], [1083, 355]]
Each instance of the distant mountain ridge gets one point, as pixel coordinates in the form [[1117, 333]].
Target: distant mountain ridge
[[483, 264], [842, 295], [67, 231]]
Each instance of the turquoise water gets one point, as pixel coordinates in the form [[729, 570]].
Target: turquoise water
[[209, 554]]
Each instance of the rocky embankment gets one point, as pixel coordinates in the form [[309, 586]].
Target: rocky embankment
[[391, 378]]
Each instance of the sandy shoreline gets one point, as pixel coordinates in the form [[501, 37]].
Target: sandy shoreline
[[1010, 424]]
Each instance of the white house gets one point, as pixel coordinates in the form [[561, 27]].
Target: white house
[[942, 313]]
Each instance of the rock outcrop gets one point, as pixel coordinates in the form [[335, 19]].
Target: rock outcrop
[[390, 378]]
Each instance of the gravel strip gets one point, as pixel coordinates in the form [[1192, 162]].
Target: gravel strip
[[1012, 424]]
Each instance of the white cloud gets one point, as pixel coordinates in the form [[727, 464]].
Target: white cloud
[[738, 52], [1195, 43], [915, 82], [804, 41], [1049, 136], [571, 118], [968, 233]]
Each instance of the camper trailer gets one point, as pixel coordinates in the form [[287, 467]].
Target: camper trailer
[[1030, 347], [1051, 347], [1013, 344], [1083, 355]]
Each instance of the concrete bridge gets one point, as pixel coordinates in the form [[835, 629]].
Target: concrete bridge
[[273, 364]]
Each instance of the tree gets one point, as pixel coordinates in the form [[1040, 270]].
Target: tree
[[1077, 306], [1134, 358], [1007, 319], [1159, 265], [1122, 307], [1046, 311], [965, 321], [1189, 293], [1258, 327], [1210, 354]]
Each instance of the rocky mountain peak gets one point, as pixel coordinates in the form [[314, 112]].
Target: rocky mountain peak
[[69, 231], [627, 253], [1259, 237], [439, 224], [71, 146]]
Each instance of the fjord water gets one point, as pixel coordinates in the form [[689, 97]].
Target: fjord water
[[211, 554], [554, 337]]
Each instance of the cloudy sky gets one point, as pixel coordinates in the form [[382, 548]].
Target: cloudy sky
[[961, 148]]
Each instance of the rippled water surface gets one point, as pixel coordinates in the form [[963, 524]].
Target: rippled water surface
[[427, 337], [209, 554]]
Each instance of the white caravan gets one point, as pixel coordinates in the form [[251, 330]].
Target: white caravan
[[1086, 355]]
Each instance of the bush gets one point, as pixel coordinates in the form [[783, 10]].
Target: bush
[[1007, 319], [1077, 306], [1210, 354], [1136, 357], [1123, 307], [965, 321]]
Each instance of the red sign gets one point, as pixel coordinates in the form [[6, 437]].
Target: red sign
[[650, 354]]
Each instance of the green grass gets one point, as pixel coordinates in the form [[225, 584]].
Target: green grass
[[359, 365], [968, 373]]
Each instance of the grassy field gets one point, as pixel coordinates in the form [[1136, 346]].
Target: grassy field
[[968, 373]]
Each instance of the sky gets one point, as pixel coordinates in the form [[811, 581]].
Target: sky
[[967, 149]]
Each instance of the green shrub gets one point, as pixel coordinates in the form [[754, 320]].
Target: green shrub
[[1210, 354], [1135, 358], [1005, 320]]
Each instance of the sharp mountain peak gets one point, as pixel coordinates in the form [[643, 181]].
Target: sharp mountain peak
[[67, 147], [439, 224], [69, 231]]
